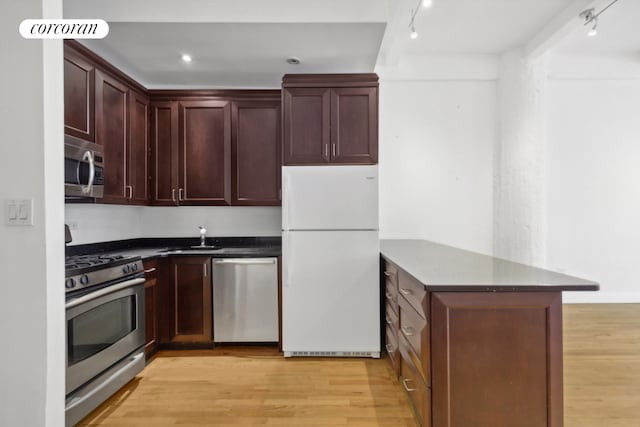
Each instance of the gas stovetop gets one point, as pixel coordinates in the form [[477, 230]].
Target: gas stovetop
[[83, 271]]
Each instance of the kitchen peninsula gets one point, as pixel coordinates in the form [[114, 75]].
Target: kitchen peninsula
[[475, 340]]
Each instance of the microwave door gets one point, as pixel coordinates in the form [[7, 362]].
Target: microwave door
[[88, 156]]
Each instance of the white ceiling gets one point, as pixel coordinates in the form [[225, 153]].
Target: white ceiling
[[618, 32], [478, 26], [244, 44], [236, 55]]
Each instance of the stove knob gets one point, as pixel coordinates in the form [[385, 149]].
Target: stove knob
[[126, 269], [84, 280], [134, 267], [70, 284]]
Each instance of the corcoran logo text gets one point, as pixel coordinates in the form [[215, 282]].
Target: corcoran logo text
[[64, 29]]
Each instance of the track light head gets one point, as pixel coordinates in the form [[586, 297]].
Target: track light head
[[414, 33]]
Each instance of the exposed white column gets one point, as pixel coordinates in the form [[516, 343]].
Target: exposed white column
[[519, 174]]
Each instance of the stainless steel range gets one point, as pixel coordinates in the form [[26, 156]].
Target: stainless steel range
[[105, 329]]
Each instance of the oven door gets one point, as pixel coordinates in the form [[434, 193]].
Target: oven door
[[102, 328]]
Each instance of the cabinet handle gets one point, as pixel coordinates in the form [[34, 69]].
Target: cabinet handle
[[204, 269], [406, 387], [151, 270], [389, 297], [388, 273], [408, 331], [389, 348], [333, 150], [129, 191], [181, 194], [388, 321], [173, 194], [404, 291], [326, 150]]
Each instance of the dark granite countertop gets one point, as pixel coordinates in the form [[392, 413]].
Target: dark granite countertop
[[150, 248], [445, 268]]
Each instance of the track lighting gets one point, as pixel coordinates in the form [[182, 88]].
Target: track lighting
[[590, 16], [594, 30], [426, 4]]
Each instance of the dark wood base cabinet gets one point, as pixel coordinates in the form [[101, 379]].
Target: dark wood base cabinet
[[151, 291], [191, 300], [475, 359]]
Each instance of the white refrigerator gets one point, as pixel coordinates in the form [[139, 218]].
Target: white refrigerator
[[330, 261]]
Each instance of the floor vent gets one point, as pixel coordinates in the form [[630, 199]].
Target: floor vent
[[373, 354]]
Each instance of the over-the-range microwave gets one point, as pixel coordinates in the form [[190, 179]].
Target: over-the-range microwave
[[83, 168]]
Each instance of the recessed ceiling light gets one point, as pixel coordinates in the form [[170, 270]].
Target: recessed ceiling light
[[427, 3], [293, 61], [186, 57]]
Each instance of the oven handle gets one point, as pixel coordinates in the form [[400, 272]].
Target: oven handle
[[104, 291]]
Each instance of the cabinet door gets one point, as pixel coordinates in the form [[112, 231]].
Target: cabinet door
[[79, 96], [204, 153], [192, 299], [151, 306], [255, 153], [497, 359], [138, 156], [164, 149], [306, 124], [111, 133], [354, 125]]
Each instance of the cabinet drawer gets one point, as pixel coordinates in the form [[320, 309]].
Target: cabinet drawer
[[390, 272], [417, 390], [414, 292], [151, 273], [391, 340], [391, 295], [415, 331], [391, 318]]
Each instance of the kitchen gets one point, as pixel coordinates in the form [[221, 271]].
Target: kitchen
[[422, 105]]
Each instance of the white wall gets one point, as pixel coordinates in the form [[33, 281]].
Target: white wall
[[436, 161], [98, 223], [593, 210], [32, 258]]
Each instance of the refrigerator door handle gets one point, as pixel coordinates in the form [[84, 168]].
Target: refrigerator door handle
[[287, 256], [286, 202]]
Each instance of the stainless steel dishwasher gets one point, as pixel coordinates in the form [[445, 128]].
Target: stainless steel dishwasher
[[245, 299]]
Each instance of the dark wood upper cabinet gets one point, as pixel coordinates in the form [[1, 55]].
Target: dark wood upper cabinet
[[255, 153], [179, 147], [354, 125], [138, 170], [164, 149], [191, 297], [204, 156], [111, 132], [330, 118], [306, 125], [79, 96]]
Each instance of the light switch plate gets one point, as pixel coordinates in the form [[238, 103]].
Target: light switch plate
[[19, 212]]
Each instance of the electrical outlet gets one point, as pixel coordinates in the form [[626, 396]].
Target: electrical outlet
[[19, 212]]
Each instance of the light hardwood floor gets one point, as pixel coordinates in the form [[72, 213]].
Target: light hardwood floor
[[602, 365], [235, 387]]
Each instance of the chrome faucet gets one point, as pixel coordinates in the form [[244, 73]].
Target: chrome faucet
[[203, 235]]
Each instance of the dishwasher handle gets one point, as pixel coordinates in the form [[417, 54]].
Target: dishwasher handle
[[247, 261]]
